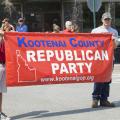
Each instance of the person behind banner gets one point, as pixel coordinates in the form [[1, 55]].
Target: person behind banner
[[75, 28], [68, 27], [56, 28], [3, 88], [101, 90], [21, 27], [6, 26]]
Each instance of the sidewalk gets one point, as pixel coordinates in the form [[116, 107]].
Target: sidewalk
[[116, 74], [116, 69], [58, 102]]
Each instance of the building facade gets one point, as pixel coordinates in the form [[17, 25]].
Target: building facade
[[41, 14]]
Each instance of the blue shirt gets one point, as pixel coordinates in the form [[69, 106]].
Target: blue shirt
[[22, 28]]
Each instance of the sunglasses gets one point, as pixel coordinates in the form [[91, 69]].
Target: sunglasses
[[21, 21]]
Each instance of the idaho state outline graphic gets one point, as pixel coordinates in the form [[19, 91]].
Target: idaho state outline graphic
[[25, 73]]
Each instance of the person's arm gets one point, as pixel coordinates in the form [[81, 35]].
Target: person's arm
[[17, 28], [1, 32], [25, 29], [115, 37], [1, 35], [114, 44], [2, 27]]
